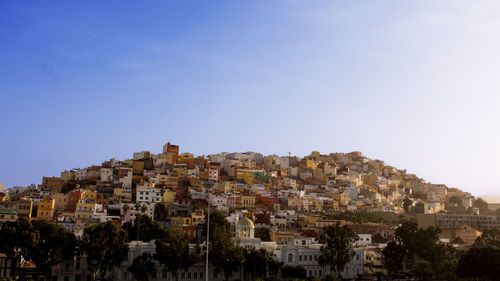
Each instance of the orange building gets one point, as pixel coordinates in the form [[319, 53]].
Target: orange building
[[174, 150], [46, 209]]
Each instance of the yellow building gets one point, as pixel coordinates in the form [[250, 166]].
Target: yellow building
[[282, 237], [247, 201], [464, 234], [181, 221], [46, 208], [67, 176], [183, 158], [162, 159], [370, 179], [244, 175], [90, 195], [138, 168], [85, 209], [341, 198], [121, 196], [181, 172], [311, 164], [168, 196]]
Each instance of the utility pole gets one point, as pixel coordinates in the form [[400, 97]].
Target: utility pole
[[208, 234]]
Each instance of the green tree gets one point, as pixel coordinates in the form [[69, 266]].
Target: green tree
[[255, 263], [412, 243], [481, 205], [144, 229], [106, 247], [394, 254], [223, 253], [274, 268], [263, 233], [423, 270], [161, 212], [175, 253], [17, 240], [337, 250], [480, 263], [378, 238], [489, 238], [407, 204], [293, 272], [455, 201], [55, 244], [142, 267], [330, 277]]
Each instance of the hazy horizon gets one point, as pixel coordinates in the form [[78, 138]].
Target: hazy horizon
[[412, 83]]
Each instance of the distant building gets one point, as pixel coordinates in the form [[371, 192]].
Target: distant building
[[453, 221]]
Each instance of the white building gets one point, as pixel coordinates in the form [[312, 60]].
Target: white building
[[80, 174], [364, 239], [106, 174], [146, 194]]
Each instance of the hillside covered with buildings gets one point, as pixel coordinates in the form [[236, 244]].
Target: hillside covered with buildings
[[280, 204]]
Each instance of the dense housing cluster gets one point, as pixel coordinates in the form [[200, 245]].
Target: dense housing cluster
[[280, 204]]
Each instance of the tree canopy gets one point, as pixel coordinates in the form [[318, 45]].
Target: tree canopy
[[144, 229], [419, 248], [175, 253], [142, 267], [54, 245], [338, 248], [106, 247]]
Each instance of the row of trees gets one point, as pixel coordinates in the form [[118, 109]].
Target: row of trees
[[172, 249], [47, 244], [105, 246], [414, 251], [419, 252]]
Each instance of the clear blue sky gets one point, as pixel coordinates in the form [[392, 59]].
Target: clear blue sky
[[414, 83]]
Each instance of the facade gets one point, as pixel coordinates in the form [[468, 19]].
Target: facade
[[478, 222], [7, 215], [46, 208], [463, 234]]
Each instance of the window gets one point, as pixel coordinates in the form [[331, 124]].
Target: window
[[164, 274], [290, 258], [189, 275], [300, 258], [183, 275], [195, 275], [201, 275]]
